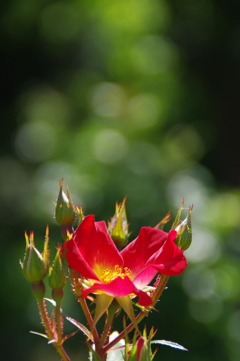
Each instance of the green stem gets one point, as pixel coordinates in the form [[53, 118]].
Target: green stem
[[59, 323], [158, 292], [57, 295], [107, 327], [62, 353]]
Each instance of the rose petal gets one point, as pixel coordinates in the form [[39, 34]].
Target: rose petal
[[91, 250], [77, 261], [138, 252], [144, 277], [119, 287], [156, 249], [169, 260]]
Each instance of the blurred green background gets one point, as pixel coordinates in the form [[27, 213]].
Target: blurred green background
[[125, 97]]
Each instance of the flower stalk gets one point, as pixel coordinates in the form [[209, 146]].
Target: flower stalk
[[108, 324], [51, 333]]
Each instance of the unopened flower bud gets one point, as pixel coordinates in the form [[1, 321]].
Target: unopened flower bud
[[57, 276], [35, 264], [34, 268], [118, 226], [141, 349], [65, 211], [184, 231]]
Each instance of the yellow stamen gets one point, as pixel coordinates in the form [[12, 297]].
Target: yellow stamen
[[109, 275]]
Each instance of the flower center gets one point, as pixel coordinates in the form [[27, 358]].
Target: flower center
[[109, 275]]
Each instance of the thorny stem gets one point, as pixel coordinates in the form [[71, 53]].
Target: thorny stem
[[44, 317], [88, 316], [158, 292], [57, 295], [129, 328], [107, 327], [160, 288], [49, 332], [77, 288], [59, 322]]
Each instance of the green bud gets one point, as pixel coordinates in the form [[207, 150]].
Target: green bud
[[65, 211], [184, 231], [57, 276], [34, 267], [118, 226], [35, 264]]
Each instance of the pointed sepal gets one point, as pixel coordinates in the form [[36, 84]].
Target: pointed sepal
[[126, 304], [102, 303], [177, 219], [165, 220], [79, 214]]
